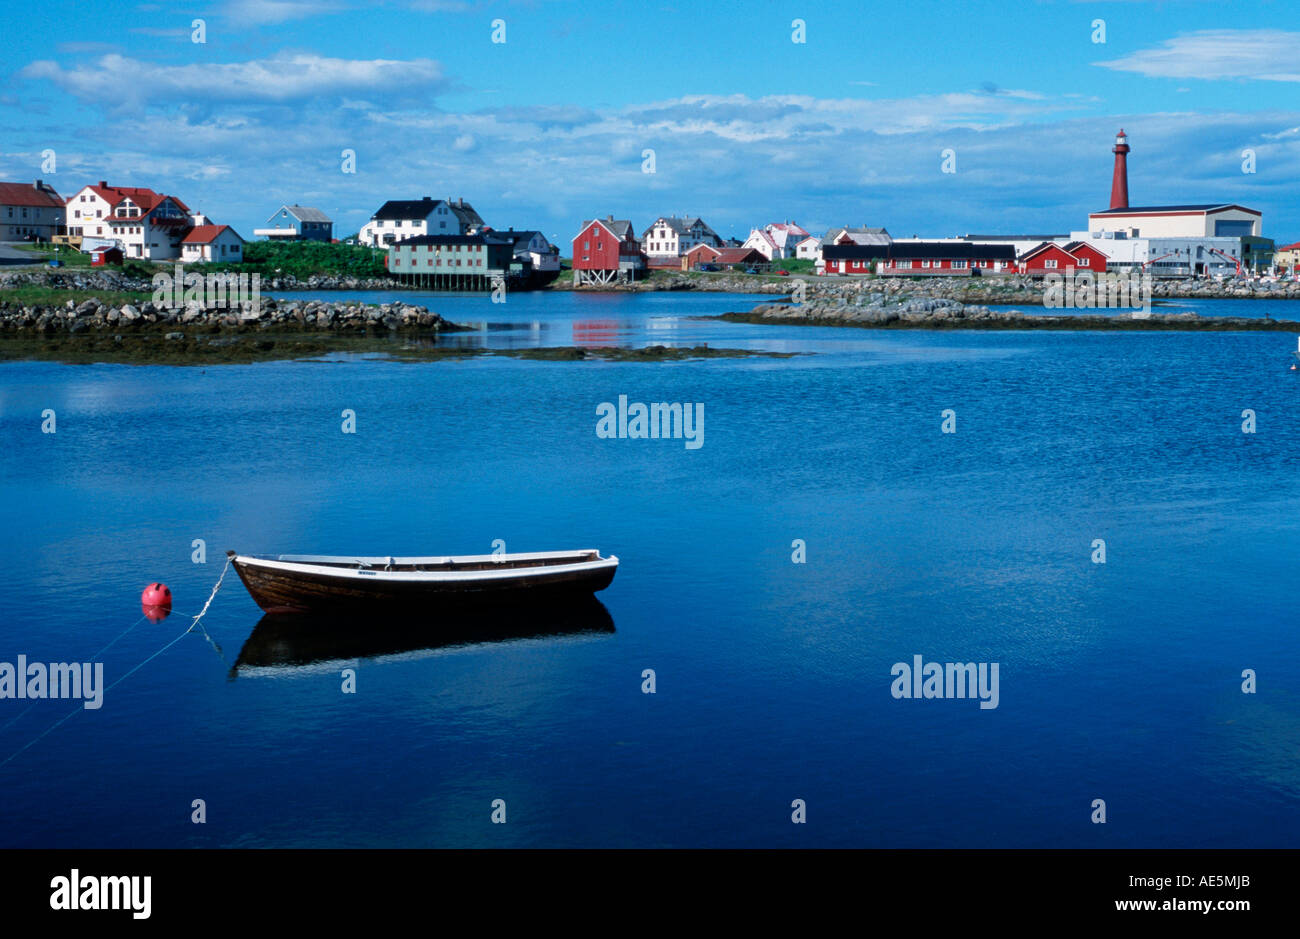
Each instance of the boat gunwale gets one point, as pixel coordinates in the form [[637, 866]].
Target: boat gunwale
[[501, 572]]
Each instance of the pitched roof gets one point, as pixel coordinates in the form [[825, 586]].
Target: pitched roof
[[465, 213], [519, 239], [488, 239], [1157, 209], [680, 224], [1043, 246], [303, 213], [206, 234], [859, 236], [736, 255], [620, 227], [1295, 246], [146, 199], [33, 194], [781, 233], [398, 209]]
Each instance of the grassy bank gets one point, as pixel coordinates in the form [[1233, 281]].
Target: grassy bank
[[302, 259], [58, 296], [42, 253]]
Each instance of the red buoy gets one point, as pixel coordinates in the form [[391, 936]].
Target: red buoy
[[156, 602]]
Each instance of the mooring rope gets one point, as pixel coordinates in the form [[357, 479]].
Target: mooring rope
[[27, 710], [63, 720]]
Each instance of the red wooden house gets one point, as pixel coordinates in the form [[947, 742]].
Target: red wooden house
[[99, 257], [1048, 257], [605, 251], [700, 254], [1088, 257], [728, 257]]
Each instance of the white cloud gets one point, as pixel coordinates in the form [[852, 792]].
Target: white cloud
[[736, 159], [282, 78], [1261, 54], [263, 12]]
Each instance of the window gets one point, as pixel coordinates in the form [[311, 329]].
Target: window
[[906, 265], [1085, 262], [925, 264], [959, 265], [1050, 264]]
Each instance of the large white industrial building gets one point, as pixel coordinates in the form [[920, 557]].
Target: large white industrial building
[[1179, 221], [1202, 240]]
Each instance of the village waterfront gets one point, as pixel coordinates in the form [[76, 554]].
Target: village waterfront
[[827, 529]]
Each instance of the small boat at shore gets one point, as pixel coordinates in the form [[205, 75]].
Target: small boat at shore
[[307, 583]]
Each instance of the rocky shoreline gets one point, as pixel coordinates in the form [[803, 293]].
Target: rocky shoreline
[[996, 290], [96, 316], [880, 310]]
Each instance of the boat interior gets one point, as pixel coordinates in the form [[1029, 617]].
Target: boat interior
[[476, 562]]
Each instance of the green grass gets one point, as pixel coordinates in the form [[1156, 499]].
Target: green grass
[[302, 259], [70, 256], [58, 296]]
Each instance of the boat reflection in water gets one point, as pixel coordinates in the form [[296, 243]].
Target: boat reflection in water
[[282, 641]]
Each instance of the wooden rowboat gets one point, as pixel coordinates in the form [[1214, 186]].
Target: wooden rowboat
[[304, 583]]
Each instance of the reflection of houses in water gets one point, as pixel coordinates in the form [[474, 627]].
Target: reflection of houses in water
[[279, 642], [595, 332]]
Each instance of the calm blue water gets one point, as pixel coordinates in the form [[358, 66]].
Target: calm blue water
[[1257, 309], [1119, 681]]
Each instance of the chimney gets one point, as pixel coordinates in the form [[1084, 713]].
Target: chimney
[[103, 184]]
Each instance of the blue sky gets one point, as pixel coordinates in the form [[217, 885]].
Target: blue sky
[[746, 126]]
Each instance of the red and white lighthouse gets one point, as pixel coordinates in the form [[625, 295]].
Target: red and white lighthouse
[[1119, 181]]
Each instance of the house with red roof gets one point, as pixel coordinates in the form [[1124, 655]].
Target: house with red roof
[[143, 223], [212, 243], [29, 211], [1287, 258]]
